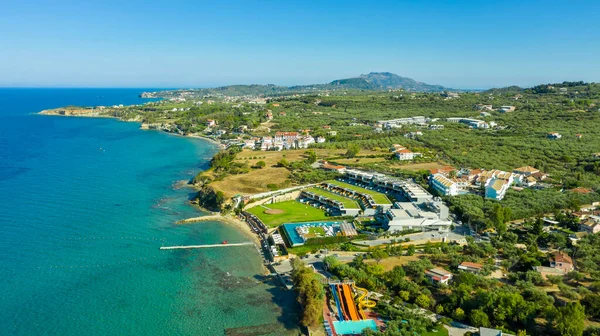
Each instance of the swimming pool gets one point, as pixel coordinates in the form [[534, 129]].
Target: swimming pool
[[295, 238], [353, 327]]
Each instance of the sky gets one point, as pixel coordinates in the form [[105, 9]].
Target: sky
[[458, 44]]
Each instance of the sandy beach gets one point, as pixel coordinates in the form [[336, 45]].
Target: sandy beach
[[231, 220]]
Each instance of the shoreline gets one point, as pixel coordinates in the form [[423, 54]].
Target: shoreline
[[194, 136], [230, 220], [227, 219]]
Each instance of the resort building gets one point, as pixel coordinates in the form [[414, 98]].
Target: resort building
[[438, 276], [484, 107], [250, 144], [591, 225], [394, 123], [405, 189], [496, 188], [402, 153], [286, 136], [526, 170], [491, 332], [427, 216], [336, 168], [286, 140], [470, 267], [505, 109], [561, 261], [444, 185]]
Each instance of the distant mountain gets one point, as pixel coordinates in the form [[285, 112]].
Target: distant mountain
[[384, 81], [374, 81]]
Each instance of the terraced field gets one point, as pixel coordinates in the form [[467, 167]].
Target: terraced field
[[378, 197], [348, 202]]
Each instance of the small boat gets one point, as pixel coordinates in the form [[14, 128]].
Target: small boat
[[224, 242]]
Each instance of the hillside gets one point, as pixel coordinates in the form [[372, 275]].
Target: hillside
[[385, 81], [374, 81]]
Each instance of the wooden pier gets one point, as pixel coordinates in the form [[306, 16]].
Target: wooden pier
[[204, 246]]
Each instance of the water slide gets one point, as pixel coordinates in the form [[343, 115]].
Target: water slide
[[363, 302], [337, 302], [349, 302], [345, 314]]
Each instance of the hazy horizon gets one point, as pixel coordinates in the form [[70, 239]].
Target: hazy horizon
[[462, 45]]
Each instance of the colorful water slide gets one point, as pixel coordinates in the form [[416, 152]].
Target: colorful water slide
[[363, 301], [349, 302], [337, 302], [345, 313]]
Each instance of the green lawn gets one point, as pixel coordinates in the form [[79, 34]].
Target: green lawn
[[348, 202], [293, 212], [317, 231], [378, 197]]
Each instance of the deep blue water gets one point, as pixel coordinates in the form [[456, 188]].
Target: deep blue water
[[84, 206]]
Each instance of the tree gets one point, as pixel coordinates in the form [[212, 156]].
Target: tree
[[568, 320], [219, 197], [404, 295], [423, 301], [310, 293], [378, 255], [311, 156], [283, 163], [352, 151], [574, 275], [592, 331], [439, 309], [261, 164], [479, 318], [410, 250], [591, 302], [459, 314]]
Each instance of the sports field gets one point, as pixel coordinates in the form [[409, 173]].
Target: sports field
[[348, 202], [378, 197], [289, 212]]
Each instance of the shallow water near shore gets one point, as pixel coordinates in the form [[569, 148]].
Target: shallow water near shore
[[85, 206]]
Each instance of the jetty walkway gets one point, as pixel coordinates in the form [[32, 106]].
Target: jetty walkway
[[204, 246]]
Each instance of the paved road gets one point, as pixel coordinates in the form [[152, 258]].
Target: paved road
[[433, 236]]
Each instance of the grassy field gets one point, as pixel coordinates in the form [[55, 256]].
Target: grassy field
[[378, 197], [293, 211], [391, 262], [348, 203], [359, 160], [419, 166], [316, 231], [258, 180]]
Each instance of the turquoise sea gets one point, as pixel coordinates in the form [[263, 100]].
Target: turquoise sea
[[85, 205]]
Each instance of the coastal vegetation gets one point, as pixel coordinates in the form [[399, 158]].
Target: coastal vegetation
[[310, 291], [554, 128]]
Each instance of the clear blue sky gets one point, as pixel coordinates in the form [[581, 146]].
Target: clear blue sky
[[131, 43]]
